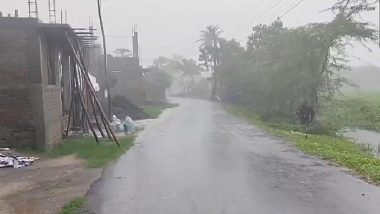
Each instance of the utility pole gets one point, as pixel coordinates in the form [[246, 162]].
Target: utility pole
[[65, 16], [107, 93]]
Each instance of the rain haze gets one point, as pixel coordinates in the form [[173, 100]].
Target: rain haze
[[171, 27], [189, 106]]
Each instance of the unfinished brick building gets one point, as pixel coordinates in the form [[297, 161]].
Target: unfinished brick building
[[35, 85]]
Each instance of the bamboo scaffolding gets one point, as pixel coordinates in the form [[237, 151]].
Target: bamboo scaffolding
[[82, 71], [84, 109]]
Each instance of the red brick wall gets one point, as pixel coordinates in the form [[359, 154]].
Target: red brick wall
[[30, 109], [16, 119]]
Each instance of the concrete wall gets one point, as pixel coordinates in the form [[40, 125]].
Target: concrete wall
[[52, 116], [30, 110], [51, 105]]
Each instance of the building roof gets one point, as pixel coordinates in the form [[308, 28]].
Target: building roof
[[57, 33]]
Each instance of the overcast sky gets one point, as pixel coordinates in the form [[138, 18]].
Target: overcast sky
[[170, 27]]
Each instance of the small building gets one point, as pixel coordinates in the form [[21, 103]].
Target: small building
[[154, 86], [126, 79]]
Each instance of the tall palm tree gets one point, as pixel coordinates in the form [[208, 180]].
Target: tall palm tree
[[210, 41], [210, 49], [189, 68]]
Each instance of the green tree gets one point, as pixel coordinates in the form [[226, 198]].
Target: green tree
[[281, 68], [159, 76], [210, 50], [190, 69], [170, 66], [181, 70]]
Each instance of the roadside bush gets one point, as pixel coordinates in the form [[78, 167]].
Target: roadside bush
[[353, 113]]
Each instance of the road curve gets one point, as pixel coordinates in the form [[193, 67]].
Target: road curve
[[198, 159]]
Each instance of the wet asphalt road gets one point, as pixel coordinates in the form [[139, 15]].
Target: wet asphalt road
[[198, 159]]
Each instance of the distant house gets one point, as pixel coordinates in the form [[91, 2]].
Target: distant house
[[155, 92], [126, 79], [129, 84]]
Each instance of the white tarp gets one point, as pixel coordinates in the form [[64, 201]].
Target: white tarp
[[94, 83], [117, 124], [130, 125], [127, 126]]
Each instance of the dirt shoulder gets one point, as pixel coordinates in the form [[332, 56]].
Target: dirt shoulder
[[46, 186]]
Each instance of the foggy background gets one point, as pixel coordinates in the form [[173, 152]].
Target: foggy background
[[170, 27]]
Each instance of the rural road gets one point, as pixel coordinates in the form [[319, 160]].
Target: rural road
[[198, 159]]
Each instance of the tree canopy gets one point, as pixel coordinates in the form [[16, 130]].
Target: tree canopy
[[282, 68]]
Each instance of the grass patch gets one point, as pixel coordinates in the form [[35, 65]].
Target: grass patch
[[246, 115], [95, 155], [369, 96], [354, 110], [74, 207], [332, 148], [153, 111]]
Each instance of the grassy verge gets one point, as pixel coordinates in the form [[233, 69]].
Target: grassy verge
[[332, 148], [153, 111], [95, 155], [74, 207]]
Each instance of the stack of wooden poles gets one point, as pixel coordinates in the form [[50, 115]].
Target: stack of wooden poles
[[83, 92]]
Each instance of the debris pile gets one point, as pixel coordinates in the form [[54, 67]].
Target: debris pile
[[122, 107], [13, 160], [127, 126], [117, 125]]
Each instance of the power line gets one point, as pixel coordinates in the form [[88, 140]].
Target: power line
[[292, 8], [284, 7], [273, 5], [280, 7]]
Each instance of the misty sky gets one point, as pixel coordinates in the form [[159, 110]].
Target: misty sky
[[170, 27]]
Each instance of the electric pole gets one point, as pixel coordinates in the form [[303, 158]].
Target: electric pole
[[107, 92]]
